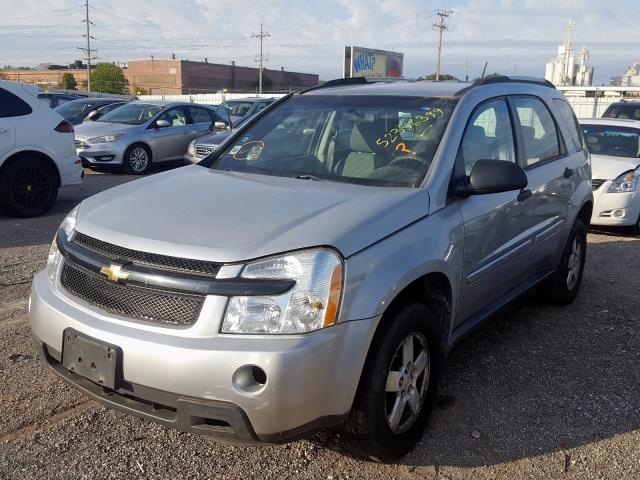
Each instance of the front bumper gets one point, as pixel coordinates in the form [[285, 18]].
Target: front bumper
[[311, 379], [615, 209], [101, 154]]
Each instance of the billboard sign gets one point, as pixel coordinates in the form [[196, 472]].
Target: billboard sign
[[367, 62]]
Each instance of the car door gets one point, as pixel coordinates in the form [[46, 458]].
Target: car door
[[496, 226], [550, 172], [170, 143]]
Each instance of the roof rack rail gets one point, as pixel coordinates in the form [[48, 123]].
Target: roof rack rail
[[342, 82], [505, 79]]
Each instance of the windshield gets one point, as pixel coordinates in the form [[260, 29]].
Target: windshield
[[72, 109], [612, 140], [629, 111], [385, 141], [237, 108], [132, 114]]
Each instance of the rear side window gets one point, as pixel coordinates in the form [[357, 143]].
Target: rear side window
[[12, 106], [569, 117], [539, 132], [489, 135], [199, 115]]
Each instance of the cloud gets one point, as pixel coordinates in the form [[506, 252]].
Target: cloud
[[309, 36]]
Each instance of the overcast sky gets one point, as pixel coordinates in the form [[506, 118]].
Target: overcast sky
[[309, 36]]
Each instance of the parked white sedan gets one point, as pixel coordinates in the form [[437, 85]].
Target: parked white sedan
[[615, 158]]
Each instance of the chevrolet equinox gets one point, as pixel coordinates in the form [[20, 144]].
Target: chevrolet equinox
[[317, 267]]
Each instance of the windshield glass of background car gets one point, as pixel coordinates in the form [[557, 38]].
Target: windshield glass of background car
[[631, 112], [238, 109], [386, 141], [611, 140], [71, 109], [132, 114]]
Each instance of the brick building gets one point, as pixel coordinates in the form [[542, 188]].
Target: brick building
[[49, 78], [176, 77]]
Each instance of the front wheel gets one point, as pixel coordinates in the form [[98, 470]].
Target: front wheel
[[136, 159], [562, 286], [397, 388]]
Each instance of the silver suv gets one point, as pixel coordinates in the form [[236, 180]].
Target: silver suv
[[317, 268]]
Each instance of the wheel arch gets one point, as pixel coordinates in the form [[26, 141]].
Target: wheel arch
[[31, 153]]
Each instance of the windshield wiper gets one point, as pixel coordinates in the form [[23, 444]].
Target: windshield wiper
[[308, 177]]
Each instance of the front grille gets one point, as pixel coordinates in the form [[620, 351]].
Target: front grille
[[162, 262], [204, 150], [167, 308], [596, 183]]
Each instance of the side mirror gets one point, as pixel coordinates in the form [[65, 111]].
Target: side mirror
[[220, 125], [92, 115], [492, 176], [162, 124]]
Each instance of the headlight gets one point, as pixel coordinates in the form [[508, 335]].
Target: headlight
[[106, 139], [192, 147], [310, 305], [626, 182], [68, 226]]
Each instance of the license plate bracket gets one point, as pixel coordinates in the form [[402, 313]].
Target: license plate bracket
[[91, 358]]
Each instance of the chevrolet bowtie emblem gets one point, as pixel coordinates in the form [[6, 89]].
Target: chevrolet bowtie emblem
[[114, 273]]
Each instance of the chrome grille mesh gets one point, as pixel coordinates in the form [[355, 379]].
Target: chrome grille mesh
[[204, 150], [152, 305], [162, 262]]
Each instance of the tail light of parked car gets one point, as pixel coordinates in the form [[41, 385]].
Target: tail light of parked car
[[64, 127]]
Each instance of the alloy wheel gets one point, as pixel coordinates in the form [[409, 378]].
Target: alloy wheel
[[138, 159], [574, 263], [407, 382], [30, 187]]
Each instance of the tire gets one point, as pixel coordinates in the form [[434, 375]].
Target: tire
[[136, 159], [562, 286], [372, 430], [28, 187]]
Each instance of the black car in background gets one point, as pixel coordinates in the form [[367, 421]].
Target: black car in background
[[246, 107], [77, 111], [56, 99], [628, 110]]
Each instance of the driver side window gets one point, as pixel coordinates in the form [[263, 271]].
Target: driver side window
[[489, 135]]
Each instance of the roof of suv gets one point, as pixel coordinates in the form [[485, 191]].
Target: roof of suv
[[422, 88]]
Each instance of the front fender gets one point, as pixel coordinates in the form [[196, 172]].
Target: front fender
[[378, 274]]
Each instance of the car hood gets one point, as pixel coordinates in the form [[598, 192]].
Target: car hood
[[609, 168], [98, 129], [213, 139], [196, 212]]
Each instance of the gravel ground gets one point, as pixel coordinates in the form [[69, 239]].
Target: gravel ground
[[538, 392]]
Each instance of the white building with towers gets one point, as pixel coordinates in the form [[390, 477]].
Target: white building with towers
[[567, 68]]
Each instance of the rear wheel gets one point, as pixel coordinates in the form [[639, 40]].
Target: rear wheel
[[397, 388], [136, 159], [562, 286], [28, 187]]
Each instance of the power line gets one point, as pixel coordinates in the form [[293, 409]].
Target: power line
[[262, 35], [441, 26]]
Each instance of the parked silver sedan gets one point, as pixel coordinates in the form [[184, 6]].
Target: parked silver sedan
[[142, 132]]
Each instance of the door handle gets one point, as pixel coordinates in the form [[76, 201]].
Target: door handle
[[3, 131], [524, 195], [568, 172]]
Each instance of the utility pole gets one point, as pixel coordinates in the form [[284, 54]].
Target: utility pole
[[87, 49], [261, 36], [441, 26], [466, 69]]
